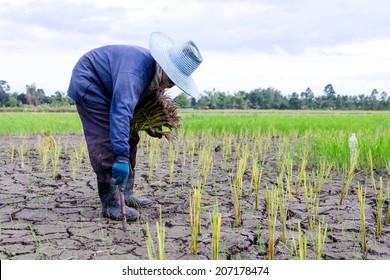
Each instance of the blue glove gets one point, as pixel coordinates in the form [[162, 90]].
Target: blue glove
[[120, 171]]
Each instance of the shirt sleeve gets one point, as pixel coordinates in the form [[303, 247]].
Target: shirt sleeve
[[126, 93]]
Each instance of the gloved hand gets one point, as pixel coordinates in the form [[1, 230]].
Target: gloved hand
[[155, 132], [120, 171]]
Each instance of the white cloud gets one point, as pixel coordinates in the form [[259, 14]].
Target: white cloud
[[351, 68], [290, 45]]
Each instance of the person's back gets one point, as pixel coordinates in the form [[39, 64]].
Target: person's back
[[105, 72]]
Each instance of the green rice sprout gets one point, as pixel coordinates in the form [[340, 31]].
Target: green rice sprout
[[160, 228], [321, 238], [172, 156], [76, 158], [379, 207], [309, 201], [150, 244], [362, 204], [236, 190], [302, 243], [348, 180], [283, 208], [302, 174], [195, 214], [216, 232], [370, 161], [205, 164], [56, 156], [21, 153], [11, 151], [256, 177], [154, 156], [388, 205], [271, 197]]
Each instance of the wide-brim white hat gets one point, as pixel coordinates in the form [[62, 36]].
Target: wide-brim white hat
[[178, 61]]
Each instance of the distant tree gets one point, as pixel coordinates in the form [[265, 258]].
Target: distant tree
[[13, 100], [383, 96], [4, 89], [193, 102], [204, 102], [182, 100], [294, 101], [34, 96], [330, 92], [307, 97], [22, 98]]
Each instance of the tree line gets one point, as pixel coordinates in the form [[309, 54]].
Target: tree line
[[269, 98], [33, 96]]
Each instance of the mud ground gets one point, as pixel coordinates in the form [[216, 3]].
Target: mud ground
[[51, 216]]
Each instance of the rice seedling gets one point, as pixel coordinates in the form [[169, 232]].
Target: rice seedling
[[160, 228], [75, 162], [321, 238], [192, 155], [260, 240], [154, 156], [226, 147], [37, 241], [255, 171], [216, 232], [236, 190], [171, 159], [282, 152], [21, 153], [362, 204], [289, 177], [283, 208], [302, 174], [302, 243], [348, 180], [379, 207], [271, 197], [205, 164], [388, 205], [156, 109], [150, 243], [371, 169], [56, 156], [195, 214], [256, 178], [11, 150], [309, 201]]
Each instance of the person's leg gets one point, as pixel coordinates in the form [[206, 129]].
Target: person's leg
[[96, 125], [130, 198]]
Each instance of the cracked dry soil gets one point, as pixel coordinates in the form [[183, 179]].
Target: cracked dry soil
[[54, 217]]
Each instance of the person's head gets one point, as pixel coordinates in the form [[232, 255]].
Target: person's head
[[174, 63], [160, 79]]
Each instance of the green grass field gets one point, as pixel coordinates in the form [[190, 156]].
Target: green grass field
[[215, 122], [320, 134]]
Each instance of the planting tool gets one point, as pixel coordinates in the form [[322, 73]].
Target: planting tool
[[123, 208]]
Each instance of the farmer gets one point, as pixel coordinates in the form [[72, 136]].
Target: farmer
[[106, 84]]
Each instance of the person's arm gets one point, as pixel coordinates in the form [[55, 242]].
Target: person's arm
[[126, 93]]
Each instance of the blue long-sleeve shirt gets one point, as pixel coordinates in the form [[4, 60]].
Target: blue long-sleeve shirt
[[113, 77]]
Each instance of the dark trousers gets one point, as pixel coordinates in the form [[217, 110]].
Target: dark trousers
[[96, 125]]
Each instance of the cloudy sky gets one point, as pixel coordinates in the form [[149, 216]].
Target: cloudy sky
[[246, 44]]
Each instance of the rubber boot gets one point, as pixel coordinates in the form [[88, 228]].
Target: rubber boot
[[111, 207], [130, 198]]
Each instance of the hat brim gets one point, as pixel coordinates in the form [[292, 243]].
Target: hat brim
[[159, 49]]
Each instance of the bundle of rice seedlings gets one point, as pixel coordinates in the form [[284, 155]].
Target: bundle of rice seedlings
[[156, 110]]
